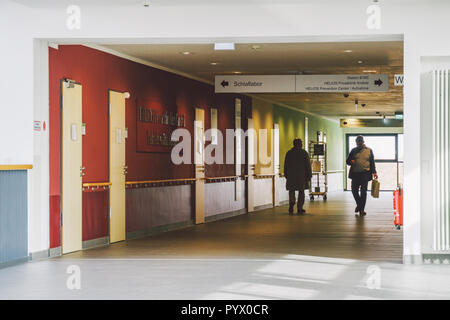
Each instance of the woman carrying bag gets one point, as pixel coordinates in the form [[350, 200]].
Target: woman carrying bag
[[362, 168]]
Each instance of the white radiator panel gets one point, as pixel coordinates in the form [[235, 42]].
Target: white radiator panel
[[441, 168]]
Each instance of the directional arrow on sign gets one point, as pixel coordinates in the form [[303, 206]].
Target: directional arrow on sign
[[378, 82], [224, 83]]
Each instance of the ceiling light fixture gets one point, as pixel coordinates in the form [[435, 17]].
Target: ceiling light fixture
[[186, 52], [369, 70], [360, 61], [224, 46], [237, 72], [214, 63], [256, 47], [348, 51]]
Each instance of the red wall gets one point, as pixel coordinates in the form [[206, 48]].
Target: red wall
[[98, 72]]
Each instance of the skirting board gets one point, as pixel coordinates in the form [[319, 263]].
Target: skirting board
[[55, 252], [159, 229], [225, 215], [412, 259], [264, 206], [43, 254], [94, 243]]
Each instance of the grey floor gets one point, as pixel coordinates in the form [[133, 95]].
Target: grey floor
[[326, 254]]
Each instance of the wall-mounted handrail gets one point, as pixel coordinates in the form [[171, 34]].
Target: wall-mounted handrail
[[12, 167], [264, 176], [94, 186], [221, 179], [159, 181]]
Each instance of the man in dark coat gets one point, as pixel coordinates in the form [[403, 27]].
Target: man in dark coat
[[297, 170], [362, 167]]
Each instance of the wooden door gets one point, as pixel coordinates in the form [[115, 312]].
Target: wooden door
[[117, 166], [72, 169], [199, 161]]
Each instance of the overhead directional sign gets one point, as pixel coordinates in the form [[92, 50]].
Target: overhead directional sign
[[265, 83], [342, 83], [303, 83]]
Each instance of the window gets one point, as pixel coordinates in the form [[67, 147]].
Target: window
[[383, 146]]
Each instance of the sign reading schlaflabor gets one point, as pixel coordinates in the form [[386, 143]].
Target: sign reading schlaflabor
[[267, 83], [303, 83]]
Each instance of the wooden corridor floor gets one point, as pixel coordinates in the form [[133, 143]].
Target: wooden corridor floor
[[328, 229]]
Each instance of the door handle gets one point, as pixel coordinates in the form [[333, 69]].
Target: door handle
[[82, 173]]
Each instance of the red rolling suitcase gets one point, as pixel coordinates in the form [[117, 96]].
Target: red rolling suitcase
[[398, 208]]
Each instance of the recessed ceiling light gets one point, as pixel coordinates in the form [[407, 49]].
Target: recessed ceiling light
[[374, 71], [237, 72], [186, 52], [214, 63], [224, 46], [360, 61], [256, 47], [348, 51]]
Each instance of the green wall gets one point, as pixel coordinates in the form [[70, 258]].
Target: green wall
[[335, 140], [292, 125]]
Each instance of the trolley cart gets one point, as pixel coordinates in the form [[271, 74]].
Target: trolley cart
[[319, 180]]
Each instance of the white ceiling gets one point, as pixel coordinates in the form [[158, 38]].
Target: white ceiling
[[59, 3], [290, 58], [128, 3]]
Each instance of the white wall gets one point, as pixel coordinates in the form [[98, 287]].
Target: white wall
[[262, 192], [425, 25]]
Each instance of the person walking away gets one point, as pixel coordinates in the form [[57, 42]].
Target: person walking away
[[362, 167], [297, 170]]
